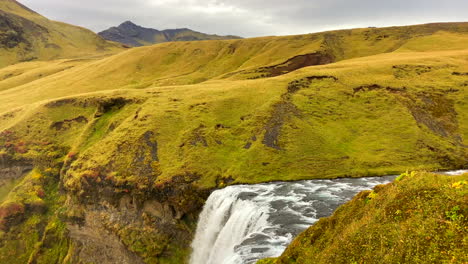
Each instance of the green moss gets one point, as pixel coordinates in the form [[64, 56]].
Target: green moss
[[36, 235], [54, 246]]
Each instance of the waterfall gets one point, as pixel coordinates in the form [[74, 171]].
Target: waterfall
[[225, 221], [244, 223]]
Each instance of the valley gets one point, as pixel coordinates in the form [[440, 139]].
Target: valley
[[114, 151]]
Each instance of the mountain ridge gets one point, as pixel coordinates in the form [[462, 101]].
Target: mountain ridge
[[131, 34]]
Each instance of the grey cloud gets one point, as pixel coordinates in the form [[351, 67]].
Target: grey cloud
[[251, 17]]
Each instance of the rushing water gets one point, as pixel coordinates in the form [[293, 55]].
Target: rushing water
[[456, 172], [242, 224]]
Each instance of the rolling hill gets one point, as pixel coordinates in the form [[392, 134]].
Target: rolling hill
[[107, 158], [25, 36], [133, 35]]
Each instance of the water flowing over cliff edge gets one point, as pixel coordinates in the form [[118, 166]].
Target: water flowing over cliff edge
[[242, 224]]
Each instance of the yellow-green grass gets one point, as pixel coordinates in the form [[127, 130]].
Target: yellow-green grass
[[39, 38], [6, 188], [31, 230], [419, 218], [337, 130], [205, 112], [184, 63]]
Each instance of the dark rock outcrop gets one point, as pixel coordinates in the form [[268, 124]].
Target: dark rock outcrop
[[133, 35], [11, 170]]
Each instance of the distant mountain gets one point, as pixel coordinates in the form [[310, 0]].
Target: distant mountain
[[26, 35], [131, 34]]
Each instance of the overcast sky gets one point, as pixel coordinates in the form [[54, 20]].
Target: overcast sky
[[249, 18]]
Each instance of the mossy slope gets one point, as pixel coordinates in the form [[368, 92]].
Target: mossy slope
[[419, 218]]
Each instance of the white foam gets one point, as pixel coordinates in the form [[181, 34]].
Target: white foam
[[238, 229], [455, 173]]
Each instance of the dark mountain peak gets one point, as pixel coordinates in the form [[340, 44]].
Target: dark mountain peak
[[128, 23], [132, 34]]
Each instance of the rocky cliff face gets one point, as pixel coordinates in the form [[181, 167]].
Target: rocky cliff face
[[111, 224], [11, 170], [102, 221], [133, 35]]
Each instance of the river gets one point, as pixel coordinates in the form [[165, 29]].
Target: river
[[244, 223]]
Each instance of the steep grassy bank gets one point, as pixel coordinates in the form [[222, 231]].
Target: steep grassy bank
[[25, 35], [32, 227], [419, 218]]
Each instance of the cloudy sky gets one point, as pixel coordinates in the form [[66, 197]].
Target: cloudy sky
[[249, 18]]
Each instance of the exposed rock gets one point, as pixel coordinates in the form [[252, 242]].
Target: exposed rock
[[366, 88], [68, 123], [436, 113], [13, 170], [133, 35], [115, 219], [107, 104], [290, 65], [432, 110], [285, 109], [460, 73], [297, 62], [11, 31], [95, 244], [161, 211]]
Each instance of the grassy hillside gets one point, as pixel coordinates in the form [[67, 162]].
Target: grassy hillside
[[365, 116], [134, 142], [185, 63], [26, 35], [420, 218]]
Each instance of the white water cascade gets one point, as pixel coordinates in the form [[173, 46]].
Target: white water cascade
[[242, 224]]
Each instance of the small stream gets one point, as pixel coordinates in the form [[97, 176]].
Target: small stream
[[244, 223]]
